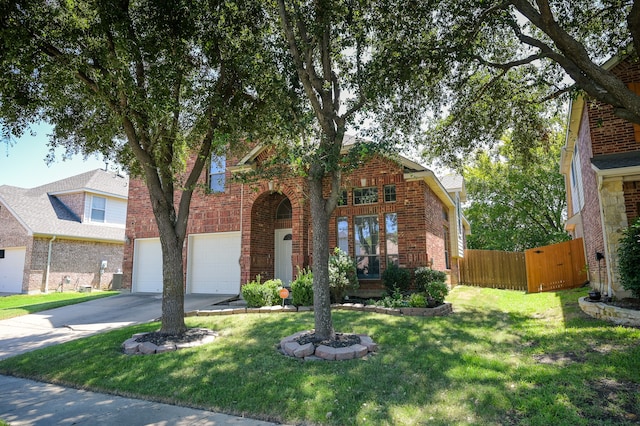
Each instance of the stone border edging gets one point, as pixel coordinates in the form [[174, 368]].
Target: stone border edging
[[132, 347], [442, 310], [309, 352], [614, 314]]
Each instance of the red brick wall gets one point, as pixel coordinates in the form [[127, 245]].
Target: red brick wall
[[591, 220], [420, 225], [609, 133]]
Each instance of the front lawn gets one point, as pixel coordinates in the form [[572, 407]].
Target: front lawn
[[502, 357], [23, 304]]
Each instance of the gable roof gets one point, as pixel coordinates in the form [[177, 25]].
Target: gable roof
[[41, 213]]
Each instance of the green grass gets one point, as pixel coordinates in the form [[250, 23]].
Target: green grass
[[502, 358], [23, 304]]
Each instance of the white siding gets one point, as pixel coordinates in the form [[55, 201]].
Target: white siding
[[115, 211]]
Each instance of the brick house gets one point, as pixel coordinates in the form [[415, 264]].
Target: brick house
[[601, 164], [390, 211], [63, 235]]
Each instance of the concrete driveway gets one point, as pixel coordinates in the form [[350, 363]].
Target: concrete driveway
[[34, 331]]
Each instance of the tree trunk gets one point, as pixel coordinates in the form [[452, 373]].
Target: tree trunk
[[172, 286], [321, 293]]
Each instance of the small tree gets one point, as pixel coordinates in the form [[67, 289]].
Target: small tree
[[629, 258]]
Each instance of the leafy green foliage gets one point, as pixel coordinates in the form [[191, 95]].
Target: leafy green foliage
[[436, 292], [629, 258], [302, 288], [258, 294], [395, 277], [507, 66], [342, 275], [516, 203], [417, 300], [425, 276]]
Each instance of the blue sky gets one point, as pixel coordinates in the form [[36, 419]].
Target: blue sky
[[22, 163]]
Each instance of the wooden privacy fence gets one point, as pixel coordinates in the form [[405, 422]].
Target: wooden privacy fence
[[494, 269], [548, 268]]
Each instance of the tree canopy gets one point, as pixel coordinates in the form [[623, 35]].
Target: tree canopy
[[514, 203], [151, 84], [508, 57]]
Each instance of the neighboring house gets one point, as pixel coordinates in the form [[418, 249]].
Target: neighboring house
[[601, 164], [391, 211], [63, 235]]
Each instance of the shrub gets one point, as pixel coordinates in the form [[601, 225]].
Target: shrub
[[257, 294], [393, 300], [302, 288], [395, 277], [417, 300], [342, 275], [436, 292], [629, 259], [425, 276]]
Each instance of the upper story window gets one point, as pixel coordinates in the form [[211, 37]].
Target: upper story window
[[217, 173], [98, 208], [365, 195], [342, 200], [389, 193]]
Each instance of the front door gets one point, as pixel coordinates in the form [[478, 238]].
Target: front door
[[283, 267]]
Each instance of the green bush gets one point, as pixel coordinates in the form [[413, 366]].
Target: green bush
[[436, 292], [417, 300], [257, 294], [302, 288], [342, 275], [425, 276], [629, 259], [395, 299], [395, 277]]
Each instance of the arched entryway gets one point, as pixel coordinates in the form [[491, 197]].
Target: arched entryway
[[272, 237]]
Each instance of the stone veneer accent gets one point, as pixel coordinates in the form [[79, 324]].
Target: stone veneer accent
[[614, 314]]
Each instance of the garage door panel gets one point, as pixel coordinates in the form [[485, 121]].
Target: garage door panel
[[12, 269], [213, 263], [147, 266]]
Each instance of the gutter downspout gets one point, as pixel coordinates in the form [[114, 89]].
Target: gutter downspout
[[46, 277]]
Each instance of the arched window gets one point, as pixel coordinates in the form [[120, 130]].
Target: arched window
[[284, 210]]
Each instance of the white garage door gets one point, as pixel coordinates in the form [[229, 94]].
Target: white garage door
[[11, 269], [213, 265], [147, 266]]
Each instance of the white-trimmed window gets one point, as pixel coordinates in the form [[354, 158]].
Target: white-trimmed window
[[367, 246], [365, 195], [577, 192], [217, 173], [343, 234], [391, 236], [98, 209]]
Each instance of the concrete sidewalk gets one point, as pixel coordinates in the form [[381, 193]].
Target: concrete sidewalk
[[25, 402]]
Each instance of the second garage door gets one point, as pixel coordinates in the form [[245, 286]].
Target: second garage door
[[213, 263], [11, 269]]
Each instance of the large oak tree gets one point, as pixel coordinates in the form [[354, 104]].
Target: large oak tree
[[348, 57], [146, 83]]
